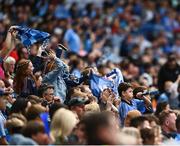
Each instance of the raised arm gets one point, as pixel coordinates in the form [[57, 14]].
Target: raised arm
[[10, 42], [59, 70]]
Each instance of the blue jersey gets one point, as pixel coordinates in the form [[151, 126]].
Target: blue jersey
[[125, 107]]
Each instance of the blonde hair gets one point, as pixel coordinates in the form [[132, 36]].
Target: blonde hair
[[133, 132], [63, 123], [9, 60], [92, 107]]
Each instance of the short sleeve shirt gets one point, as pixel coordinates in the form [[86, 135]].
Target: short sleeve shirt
[[125, 107]]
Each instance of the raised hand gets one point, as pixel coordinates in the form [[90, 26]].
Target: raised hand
[[51, 55]]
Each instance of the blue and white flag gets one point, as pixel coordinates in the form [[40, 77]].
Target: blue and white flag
[[29, 36], [98, 84], [111, 81]]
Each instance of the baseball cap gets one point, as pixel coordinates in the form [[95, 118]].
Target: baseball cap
[[44, 87], [76, 101]]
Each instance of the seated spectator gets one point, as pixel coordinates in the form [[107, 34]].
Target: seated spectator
[[15, 125], [92, 107], [36, 131], [62, 126], [46, 92], [133, 132], [9, 66], [178, 128], [164, 106], [3, 131], [98, 127], [148, 136], [153, 120], [54, 107], [33, 99], [130, 115], [128, 103], [34, 112], [20, 106], [167, 121], [77, 105], [158, 135], [140, 122]]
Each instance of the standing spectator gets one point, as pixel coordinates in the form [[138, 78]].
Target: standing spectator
[[170, 93], [72, 39], [22, 52], [168, 72], [24, 81], [55, 71], [162, 106], [128, 103]]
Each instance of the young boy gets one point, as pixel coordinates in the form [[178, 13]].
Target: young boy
[[128, 103]]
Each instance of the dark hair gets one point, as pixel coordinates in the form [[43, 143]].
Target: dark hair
[[54, 107], [178, 123], [137, 90], [147, 134], [137, 121], [19, 106], [19, 48], [34, 99], [34, 112], [32, 128], [22, 72], [123, 87], [43, 88], [152, 118], [92, 123], [160, 107]]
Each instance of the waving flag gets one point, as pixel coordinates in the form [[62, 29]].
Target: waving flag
[[111, 80], [29, 36], [116, 76], [98, 84]]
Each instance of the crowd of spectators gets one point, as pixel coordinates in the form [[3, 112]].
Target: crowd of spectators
[[116, 81]]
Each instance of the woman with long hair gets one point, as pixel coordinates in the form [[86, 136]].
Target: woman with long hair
[[24, 81]]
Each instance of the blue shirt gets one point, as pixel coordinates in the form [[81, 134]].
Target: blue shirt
[[55, 77], [2, 129], [125, 107], [177, 138], [76, 72], [73, 40]]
